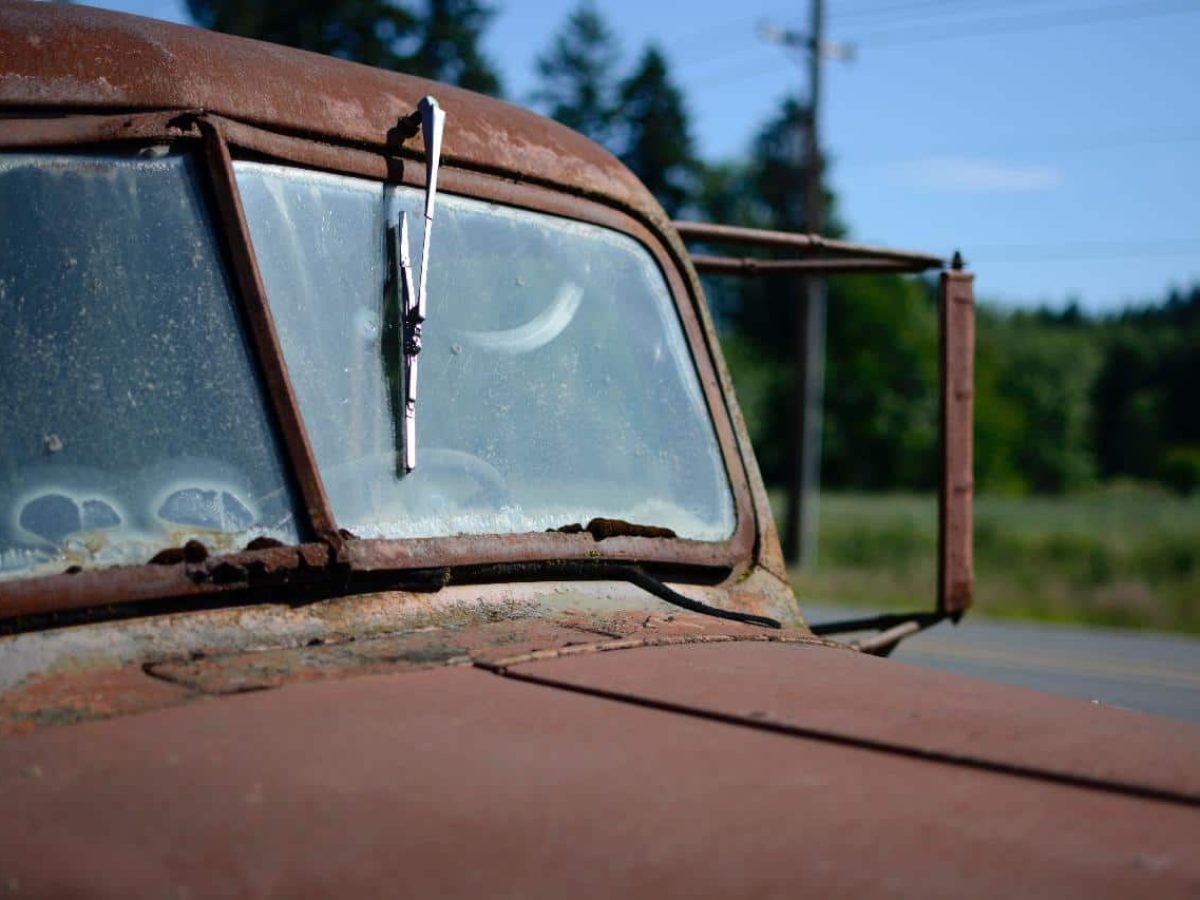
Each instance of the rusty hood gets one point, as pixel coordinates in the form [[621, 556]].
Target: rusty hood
[[723, 765]]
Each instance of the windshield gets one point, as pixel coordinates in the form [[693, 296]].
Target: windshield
[[130, 415], [555, 385]]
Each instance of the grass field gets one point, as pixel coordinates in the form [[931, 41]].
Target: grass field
[[1126, 556]]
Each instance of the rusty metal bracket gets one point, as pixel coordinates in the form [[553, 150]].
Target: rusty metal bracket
[[750, 267], [956, 565], [73, 130], [838, 256], [252, 296]]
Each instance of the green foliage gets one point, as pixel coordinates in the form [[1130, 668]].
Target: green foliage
[[881, 384], [367, 31], [1122, 555], [449, 49], [656, 142], [1180, 469], [1145, 396], [641, 117], [779, 170], [375, 32], [578, 74], [1039, 379]]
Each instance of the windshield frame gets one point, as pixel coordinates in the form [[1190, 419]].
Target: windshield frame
[[219, 141]]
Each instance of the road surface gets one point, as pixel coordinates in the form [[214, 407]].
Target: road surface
[[1147, 671]]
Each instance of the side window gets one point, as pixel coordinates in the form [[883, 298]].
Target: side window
[[131, 418]]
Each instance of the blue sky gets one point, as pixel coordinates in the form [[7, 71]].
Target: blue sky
[[1056, 142]]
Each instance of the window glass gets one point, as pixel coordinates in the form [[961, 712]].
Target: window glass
[[555, 381], [130, 416]]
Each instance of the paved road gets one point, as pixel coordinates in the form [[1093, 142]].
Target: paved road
[[1155, 673]]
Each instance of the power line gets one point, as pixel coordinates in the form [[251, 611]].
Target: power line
[[1038, 22], [902, 37], [1112, 140], [743, 43], [920, 9], [1092, 250]]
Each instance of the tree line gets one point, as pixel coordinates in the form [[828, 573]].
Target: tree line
[[1062, 398]]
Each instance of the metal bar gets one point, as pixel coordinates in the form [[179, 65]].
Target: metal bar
[[72, 130], [759, 237], [884, 643], [750, 267], [225, 574], [253, 298], [275, 574], [381, 554], [956, 567], [881, 622]]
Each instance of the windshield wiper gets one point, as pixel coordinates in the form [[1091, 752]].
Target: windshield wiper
[[413, 302]]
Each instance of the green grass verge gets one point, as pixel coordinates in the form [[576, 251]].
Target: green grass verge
[[1125, 555]]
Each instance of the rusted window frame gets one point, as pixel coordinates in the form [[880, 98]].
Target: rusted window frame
[[955, 584], [956, 485], [336, 554]]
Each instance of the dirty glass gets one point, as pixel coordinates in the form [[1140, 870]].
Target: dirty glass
[[555, 381], [130, 418]]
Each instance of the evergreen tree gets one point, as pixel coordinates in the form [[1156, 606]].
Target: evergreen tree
[[779, 167], [657, 141], [375, 32], [449, 49], [578, 75], [367, 31]]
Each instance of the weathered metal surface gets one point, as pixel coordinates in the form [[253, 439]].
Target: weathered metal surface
[[856, 699], [788, 240], [751, 266], [491, 645], [134, 63], [429, 648], [956, 488], [271, 644], [456, 782], [243, 573], [79, 694], [30, 134], [466, 550]]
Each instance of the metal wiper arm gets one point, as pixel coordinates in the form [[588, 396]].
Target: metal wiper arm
[[413, 302]]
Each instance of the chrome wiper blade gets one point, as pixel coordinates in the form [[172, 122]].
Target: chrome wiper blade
[[413, 302], [410, 343]]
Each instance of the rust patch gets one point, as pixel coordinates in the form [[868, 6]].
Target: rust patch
[[628, 630], [600, 529], [415, 651], [264, 543], [192, 552], [459, 639], [83, 694]]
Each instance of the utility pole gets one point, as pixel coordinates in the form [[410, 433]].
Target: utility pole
[[804, 463], [805, 495]]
